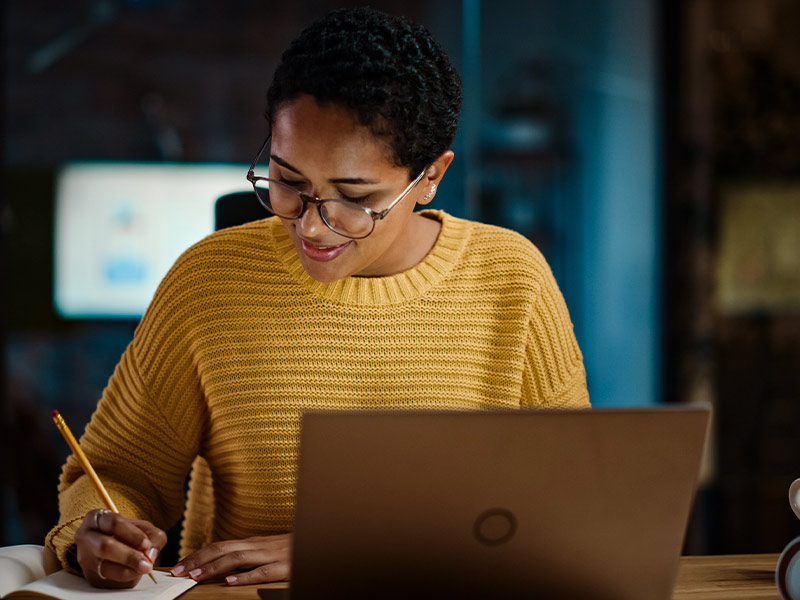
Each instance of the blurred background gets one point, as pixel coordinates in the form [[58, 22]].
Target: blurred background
[[650, 148]]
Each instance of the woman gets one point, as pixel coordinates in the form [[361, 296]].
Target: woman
[[354, 301]]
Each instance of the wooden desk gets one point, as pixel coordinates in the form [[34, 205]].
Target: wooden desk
[[750, 577]]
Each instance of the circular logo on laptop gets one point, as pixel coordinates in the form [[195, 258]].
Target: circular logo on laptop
[[495, 526]]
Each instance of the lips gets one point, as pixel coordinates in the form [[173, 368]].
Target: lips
[[322, 253]]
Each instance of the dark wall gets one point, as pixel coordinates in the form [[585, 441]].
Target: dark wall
[[732, 77], [146, 79]]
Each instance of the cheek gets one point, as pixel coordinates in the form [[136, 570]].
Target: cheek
[[288, 225], [396, 223]]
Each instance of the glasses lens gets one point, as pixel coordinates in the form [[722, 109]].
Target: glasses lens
[[278, 198], [342, 217], [347, 219]]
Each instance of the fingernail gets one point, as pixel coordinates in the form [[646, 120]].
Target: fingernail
[[178, 570], [145, 566], [196, 573], [152, 554], [231, 579]]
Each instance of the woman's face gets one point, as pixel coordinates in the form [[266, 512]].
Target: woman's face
[[324, 152]]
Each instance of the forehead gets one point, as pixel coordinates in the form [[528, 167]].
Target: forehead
[[327, 139]]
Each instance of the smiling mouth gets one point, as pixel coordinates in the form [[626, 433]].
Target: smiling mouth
[[322, 253]]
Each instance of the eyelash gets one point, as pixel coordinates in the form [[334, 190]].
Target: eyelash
[[352, 199], [358, 200], [289, 182]]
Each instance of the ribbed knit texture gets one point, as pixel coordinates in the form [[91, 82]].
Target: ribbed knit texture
[[239, 340]]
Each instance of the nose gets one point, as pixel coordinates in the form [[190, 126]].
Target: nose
[[310, 224]]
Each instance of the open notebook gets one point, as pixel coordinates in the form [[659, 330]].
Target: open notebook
[[32, 571]]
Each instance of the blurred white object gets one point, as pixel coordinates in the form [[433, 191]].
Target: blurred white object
[[120, 226], [794, 497]]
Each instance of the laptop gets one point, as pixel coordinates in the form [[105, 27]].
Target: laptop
[[531, 504]]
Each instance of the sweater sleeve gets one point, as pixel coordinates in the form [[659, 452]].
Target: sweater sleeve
[[140, 458], [553, 375], [144, 434]]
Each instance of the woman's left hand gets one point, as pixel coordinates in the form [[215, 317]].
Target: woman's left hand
[[262, 558]]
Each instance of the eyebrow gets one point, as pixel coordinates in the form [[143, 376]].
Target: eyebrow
[[345, 180]]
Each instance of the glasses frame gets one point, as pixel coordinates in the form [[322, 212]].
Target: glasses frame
[[306, 199]]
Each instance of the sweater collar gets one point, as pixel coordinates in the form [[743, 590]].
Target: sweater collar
[[374, 291]]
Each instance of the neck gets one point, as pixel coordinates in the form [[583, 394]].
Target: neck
[[422, 235]]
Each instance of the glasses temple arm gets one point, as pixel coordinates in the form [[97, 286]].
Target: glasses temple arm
[[251, 170], [410, 187]]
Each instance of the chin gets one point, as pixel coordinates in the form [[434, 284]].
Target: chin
[[323, 275], [325, 278]]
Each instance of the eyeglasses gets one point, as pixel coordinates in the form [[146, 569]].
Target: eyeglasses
[[340, 216]]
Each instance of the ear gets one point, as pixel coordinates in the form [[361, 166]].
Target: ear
[[433, 176]]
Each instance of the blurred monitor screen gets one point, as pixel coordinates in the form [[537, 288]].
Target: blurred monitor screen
[[119, 227]]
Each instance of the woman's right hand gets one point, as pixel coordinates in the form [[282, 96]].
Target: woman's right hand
[[114, 552]]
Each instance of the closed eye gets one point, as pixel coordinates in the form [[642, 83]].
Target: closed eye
[[355, 200], [299, 184], [294, 184]]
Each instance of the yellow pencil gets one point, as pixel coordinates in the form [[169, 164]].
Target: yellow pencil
[[87, 466]]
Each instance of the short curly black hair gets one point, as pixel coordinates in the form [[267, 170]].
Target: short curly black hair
[[391, 73]]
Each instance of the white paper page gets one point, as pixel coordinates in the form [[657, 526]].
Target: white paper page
[[24, 563], [71, 587]]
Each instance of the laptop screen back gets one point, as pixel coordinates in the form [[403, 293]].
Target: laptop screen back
[[476, 504]]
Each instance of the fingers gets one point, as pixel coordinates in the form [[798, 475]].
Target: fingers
[[157, 537], [125, 530], [277, 571], [110, 549], [107, 573], [267, 556]]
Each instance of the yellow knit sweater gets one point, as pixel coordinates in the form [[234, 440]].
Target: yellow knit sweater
[[239, 340]]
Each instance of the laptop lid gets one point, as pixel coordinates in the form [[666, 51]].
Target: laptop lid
[[579, 504]]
